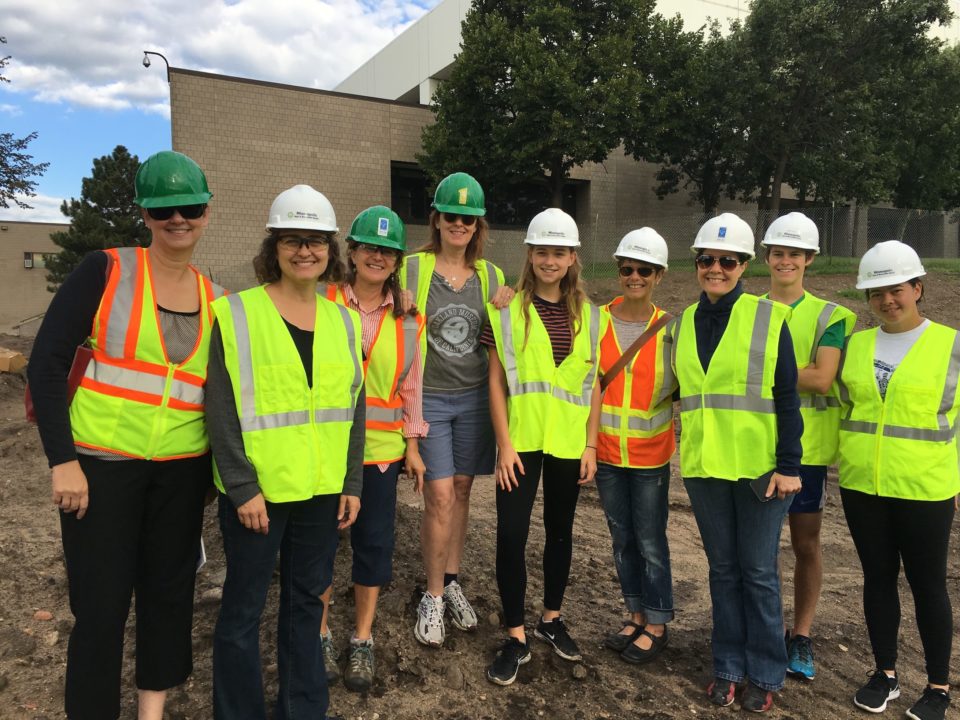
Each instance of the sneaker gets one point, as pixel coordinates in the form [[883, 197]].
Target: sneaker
[[358, 675], [429, 629], [756, 699], [932, 705], [880, 689], [721, 692], [511, 655], [800, 657], [461, 614], [555, 634], [331, 658]]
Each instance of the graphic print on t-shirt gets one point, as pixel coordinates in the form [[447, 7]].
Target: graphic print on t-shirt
[[882, 371], [454, 330]]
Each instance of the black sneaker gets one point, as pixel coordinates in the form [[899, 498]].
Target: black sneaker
[[511, 655], [880, 689], [555, 634], [932, 705], [756, 699], [721, 692]]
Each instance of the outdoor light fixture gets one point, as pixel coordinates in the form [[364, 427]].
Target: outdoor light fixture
[[146, 61]]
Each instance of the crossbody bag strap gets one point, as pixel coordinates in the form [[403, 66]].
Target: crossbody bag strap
[[632, 351]]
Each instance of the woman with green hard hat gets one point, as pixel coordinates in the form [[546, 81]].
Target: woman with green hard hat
[[129, 449], [394, 422], [451, 284]]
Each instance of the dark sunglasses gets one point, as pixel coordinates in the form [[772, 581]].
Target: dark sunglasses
[[187, 212], [727, 262], [295, 242], [628, 270], [371, 249], [465, 219]]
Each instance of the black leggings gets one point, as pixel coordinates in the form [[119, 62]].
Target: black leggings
[[560, 493], [886, 530]]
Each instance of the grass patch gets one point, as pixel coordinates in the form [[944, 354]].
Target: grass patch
[[851, 294]]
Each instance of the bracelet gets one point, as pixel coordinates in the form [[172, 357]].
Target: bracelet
[[592, 447]]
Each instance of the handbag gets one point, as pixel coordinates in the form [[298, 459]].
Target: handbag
[[631, 351]]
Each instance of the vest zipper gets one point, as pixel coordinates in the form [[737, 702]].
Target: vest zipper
[[160, 418]]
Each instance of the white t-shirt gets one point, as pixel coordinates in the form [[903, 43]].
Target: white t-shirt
[[890, 350]]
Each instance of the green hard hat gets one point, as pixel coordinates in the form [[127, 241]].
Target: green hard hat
[[168, 179], [381, 226], [459, 193]]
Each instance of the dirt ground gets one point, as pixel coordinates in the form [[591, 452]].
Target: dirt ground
[[416, 682]]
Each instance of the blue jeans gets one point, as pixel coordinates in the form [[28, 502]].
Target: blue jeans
[[635, 503], [741, 537], [305, 535], [460, 441]]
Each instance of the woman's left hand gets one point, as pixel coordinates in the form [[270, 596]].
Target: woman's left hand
[[783, 485], [349, 509], [588, 465], [502, 297], [407, 301], [414, 468]]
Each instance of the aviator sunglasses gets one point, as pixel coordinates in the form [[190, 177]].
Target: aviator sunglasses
[[187, 212], [727, 262], [628, 270], [465, 219]]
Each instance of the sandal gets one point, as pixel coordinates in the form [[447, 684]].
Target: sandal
[[633, 654], [618, 641]]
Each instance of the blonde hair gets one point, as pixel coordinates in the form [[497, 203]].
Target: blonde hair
[[572, 293]]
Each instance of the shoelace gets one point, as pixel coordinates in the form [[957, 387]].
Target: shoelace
[[433, 613], [805, 652], [879, 680], [361, 658], [458, 600]]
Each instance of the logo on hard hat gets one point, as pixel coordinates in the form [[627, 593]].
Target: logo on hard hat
[[880, 273], [462, 196], [722, 232], [383, 227]]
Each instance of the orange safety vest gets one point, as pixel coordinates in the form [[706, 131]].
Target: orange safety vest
[[385, 368], [636, 414], [132, 399]]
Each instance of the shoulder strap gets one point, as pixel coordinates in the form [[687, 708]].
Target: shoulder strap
[[632, 351]]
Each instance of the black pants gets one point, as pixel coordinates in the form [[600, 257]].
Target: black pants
[[886, 531], [141, 534], [560, 494]]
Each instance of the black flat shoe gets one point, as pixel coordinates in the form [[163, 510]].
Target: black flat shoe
[[638, 656], [618, 641]]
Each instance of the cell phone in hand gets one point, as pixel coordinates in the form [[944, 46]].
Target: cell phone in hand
[[759, 486]]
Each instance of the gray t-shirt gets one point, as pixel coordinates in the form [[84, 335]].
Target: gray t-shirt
[[627, 331], [455, 358]]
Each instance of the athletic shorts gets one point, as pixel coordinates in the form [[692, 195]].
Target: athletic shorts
[[813, 495], [460, 441]]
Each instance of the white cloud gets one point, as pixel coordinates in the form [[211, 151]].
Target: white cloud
[[89, 53], [45, 209], [11, 110]]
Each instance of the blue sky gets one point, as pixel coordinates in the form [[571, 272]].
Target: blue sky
[[76, 73]]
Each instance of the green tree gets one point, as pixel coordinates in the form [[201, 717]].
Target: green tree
[[105, 216], [539, 87], [16, 166]]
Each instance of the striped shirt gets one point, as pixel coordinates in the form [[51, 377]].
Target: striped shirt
[[555, 319]]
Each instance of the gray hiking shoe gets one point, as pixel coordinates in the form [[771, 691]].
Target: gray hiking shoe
[[331, 658], [360, 670]]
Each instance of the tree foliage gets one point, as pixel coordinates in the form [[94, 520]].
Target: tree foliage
[[105, 216], [16, 166]]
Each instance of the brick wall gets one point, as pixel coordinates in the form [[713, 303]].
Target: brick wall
[[23, 291]]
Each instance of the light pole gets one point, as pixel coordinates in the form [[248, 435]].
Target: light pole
[[146, 61]]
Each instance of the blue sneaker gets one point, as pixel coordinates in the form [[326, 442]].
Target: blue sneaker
[[800, 657]]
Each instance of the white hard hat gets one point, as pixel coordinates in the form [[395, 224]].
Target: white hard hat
[[553, 227], [725, 232], [302, 208], [888, 263], [645, 244], [793, 230]]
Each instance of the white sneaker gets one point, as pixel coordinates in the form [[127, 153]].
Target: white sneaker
[[461, 614], [429, 629]]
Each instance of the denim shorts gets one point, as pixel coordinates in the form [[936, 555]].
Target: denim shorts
[[460, 441], [813, 491]]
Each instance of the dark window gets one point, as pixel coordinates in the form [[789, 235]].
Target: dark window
[[409, 193]]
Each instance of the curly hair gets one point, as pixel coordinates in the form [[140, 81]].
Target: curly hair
[[267, 267], [474, 249], [391, 285]]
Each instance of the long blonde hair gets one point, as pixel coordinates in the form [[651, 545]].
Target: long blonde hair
[[572, 293]]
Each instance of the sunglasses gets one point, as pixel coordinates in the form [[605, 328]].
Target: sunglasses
[[727, 262], [628, 270], [187, 212], [465, 219], [295, 242], [374, 249]]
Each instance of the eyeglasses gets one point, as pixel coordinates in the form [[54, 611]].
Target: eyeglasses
[[465, 219], [187, 212], [371, 249], [628, 270], [727, 262], [295, 242]]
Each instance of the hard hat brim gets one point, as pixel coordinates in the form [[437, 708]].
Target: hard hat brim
[[887, 281], [201, 198], [378, 241], [459, 209], [695, 249], [640, 257], [551, 242], [790, 244]]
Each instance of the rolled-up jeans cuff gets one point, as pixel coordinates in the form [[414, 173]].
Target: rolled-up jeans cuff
[[654, 616]]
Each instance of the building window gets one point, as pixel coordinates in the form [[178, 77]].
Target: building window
[[409, 193], [36, 260]]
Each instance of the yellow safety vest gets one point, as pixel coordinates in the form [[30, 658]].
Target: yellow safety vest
[[547, 406], [417, 271], [727, 416], [132, 400], [904, 445], [295, 436], [385, 368]]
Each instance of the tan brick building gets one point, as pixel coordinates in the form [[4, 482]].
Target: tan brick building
[[23, 280]]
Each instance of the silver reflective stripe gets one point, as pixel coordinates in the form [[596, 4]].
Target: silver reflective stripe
[[819, 401], [143, 382], [950, 387], [651, 423], [381, 414], [119, 322], [218, 291], [241, 330], [274, 421], [352, 344], [590, 379], [669, 381], [727, 402], [898, 431], [326, 415], [610, 420], [410, 329], [673, 330], [413, 277], [823, 322], [758, 348], [510, 358], [532, 387], [493, 282]]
